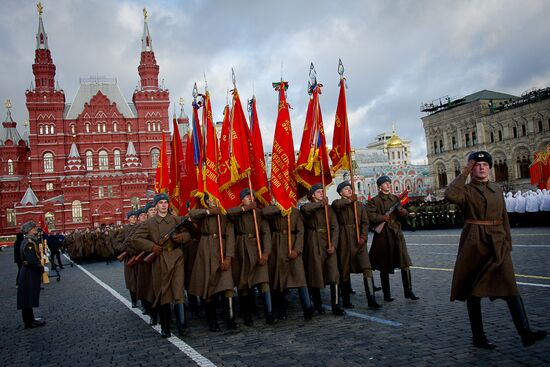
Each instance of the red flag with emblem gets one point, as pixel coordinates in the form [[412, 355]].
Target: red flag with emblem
[[283, 182], [162, 178], [340, 154], [210, 168], [313, 156], [258, 173], [175, 170], [198, 153]]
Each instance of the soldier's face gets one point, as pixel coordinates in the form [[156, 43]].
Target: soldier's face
[[247, 200], [480, 171], [162, 207], [318, 195], [132, 219], [346, 192], [151, 212], [385, 187]]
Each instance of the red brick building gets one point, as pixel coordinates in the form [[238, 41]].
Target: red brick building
[[86, 162]]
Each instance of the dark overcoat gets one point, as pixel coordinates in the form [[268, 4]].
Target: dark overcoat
[[30, 277], [483, 265]]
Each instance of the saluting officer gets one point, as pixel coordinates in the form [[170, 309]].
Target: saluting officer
[[483, 265]]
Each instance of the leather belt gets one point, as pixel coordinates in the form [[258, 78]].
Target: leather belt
[[249, 235], [321, 230], [494, 222]]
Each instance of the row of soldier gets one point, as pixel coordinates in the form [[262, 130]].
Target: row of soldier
[[209, 254], [93, 243]]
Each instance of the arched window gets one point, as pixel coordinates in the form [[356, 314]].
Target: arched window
[[442, 175], [77, 211], [41, 130], [135, 203], [46, 130], [155, 153], [115, 127], [87, 127], [129, 127], [89, 161], [49, 218], [73, 129], [523, 166], [48, 162], [116, 154], [52, 129], [103, 160], [10, 167], [148, 126], [104, 128], [98, 128]]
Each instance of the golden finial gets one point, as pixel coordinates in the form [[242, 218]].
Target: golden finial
[[181, 102], [40, 8], [7, 104], [145, 14]]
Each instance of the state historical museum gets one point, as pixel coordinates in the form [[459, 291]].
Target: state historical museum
[[87, 162]]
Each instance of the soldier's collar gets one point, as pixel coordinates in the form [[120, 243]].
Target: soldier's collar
[[160, 219]]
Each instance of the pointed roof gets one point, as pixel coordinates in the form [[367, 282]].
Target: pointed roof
[[74, 152], [131, 150], [487, 95], [29, 197], [41, 36], [88, 89], [9, 128], [146, 40]]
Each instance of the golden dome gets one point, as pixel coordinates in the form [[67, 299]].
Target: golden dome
[[394, 142]]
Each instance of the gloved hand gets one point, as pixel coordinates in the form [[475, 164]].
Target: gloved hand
[[226, 263], [293, 254], [263, 260], [156, 249]]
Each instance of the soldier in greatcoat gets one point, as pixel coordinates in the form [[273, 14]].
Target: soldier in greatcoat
[[286, 268], [483, 265], [30, 277], [352, 253], [168, 264], [320, 260], [249, 269], [130, 273], [211, 274], [389, 250]]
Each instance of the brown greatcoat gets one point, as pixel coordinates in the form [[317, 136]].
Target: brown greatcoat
[[167, 270], [207, 277], [144, 276], [285, 273], [247, 272], [483, 265], [321, 268], [351, 258], [388, 250], [130, 273]]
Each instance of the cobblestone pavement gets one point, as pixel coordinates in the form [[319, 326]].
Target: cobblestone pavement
[[89, 323]]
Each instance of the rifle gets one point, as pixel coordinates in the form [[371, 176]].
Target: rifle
[[122, 256], [187, 220], [380, 225], [136, 259]]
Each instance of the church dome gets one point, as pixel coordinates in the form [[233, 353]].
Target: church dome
[[394, 142]]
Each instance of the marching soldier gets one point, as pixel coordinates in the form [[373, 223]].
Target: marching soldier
[[352, 254], [249, 269], [389, 250], [130, 273], [483, 265], [167, 269], [212, 268], [319, 254], [28, 291], [286, 265]]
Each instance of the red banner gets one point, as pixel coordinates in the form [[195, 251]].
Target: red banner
[[210, 168], [257, 161], [176, 158], [162, 178], [340, 154]]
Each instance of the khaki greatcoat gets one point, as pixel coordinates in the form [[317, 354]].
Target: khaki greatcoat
[[389, 249], [130, 273], [351, 259], [207, 277], [285, 273], [483, 265], [321, 268]]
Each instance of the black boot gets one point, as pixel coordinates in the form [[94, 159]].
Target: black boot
[[165, 313], [246, 311], [385, 280], [307, 308], [154, 315], [212, 316], [181, 320], [230, 314], [268, 308], [476, 323], [345, 290], [134, 299], [334, 300], [280, 304], [317, 304], [28, 318], [194, 307], [407, 285], [351, 291], [146, 307], [519, 316], [369, 291]]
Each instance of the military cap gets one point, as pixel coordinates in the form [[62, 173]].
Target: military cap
[[148, 206], [315, 187], [159, 197], [140, 211], [481, 156], [383, 179], [27, 226], [244, 192], [342, 185], [130, 213]]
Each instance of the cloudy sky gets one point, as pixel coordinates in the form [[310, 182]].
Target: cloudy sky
[[397, 54]]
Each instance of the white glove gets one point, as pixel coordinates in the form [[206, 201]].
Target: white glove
[[46, 269]]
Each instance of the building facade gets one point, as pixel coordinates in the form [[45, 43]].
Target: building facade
[[86, 162], [510, 128]]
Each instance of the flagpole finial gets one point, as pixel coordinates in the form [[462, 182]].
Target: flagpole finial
[[145, 14], [312, 74], [195, 91], [205, 82], [181, 102], [227, 97], [340, 68], [233, 79]]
